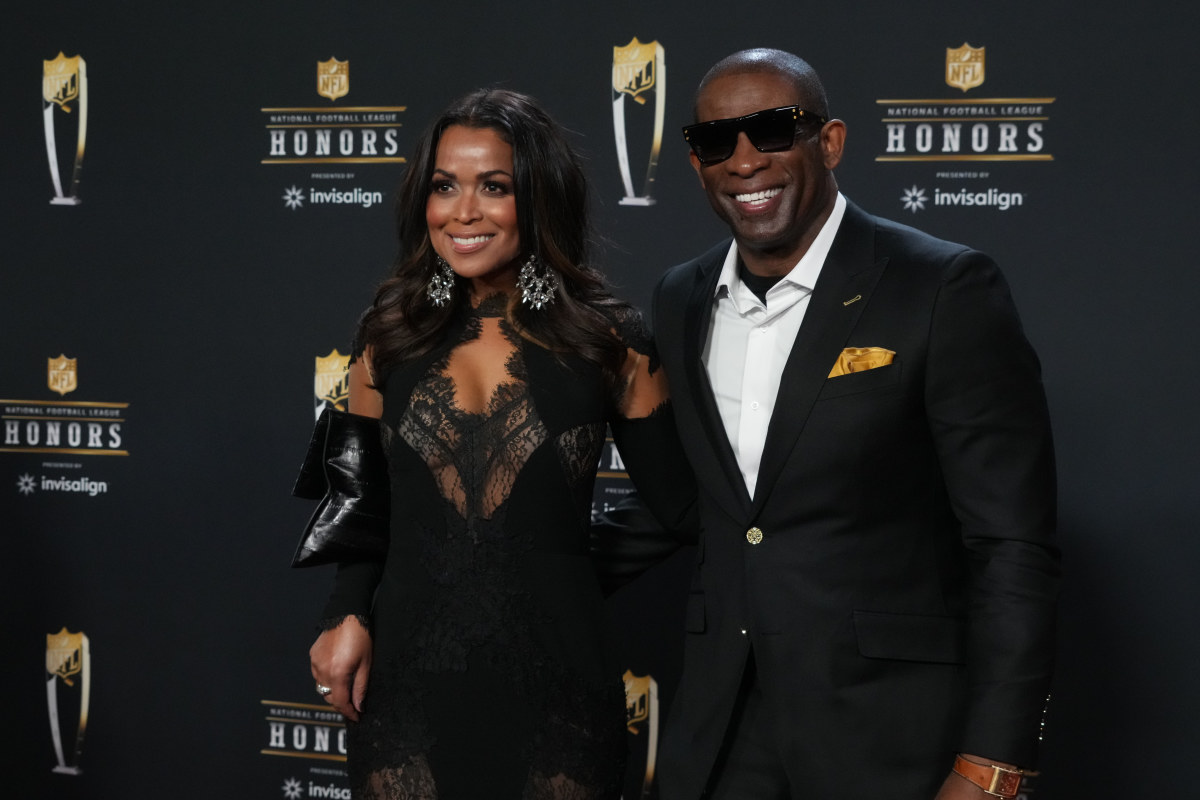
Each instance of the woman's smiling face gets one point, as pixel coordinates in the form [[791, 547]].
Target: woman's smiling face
[[471, 210]]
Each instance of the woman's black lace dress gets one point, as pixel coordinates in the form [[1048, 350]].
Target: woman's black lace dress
[[489, 679]]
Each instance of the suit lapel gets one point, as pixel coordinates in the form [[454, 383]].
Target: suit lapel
[[697, 319], [843, 291]]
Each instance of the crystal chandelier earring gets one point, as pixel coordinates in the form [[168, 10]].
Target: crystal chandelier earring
[[442, 282], [537, 290]]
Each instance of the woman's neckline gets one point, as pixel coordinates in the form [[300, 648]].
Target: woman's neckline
[[493, 305]]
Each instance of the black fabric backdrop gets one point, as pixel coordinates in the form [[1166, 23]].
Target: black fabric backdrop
[[185, 287]]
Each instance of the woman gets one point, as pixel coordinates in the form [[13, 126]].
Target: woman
[[493, 357]]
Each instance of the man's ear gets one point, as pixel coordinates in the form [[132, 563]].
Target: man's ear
[[833, 141]]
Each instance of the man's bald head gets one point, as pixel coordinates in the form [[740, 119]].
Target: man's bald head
[[777, 62]]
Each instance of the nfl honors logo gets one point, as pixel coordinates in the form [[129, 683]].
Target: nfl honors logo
[[333, 78], [312, 133], [964, 66], [988, 129]]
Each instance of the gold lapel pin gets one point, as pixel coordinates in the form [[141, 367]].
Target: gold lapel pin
[[854, 299]]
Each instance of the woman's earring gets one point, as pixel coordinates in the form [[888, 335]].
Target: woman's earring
[[442, 283], [537, 290]]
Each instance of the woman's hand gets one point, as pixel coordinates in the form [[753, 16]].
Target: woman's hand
[[341, 660]]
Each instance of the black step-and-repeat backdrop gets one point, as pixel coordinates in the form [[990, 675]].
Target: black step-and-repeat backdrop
[[198, 202]]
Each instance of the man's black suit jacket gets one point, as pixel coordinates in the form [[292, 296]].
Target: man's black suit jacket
[[900, 604]]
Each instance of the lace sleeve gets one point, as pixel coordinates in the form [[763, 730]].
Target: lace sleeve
[[641, 387], [358, 352], [643, 429]]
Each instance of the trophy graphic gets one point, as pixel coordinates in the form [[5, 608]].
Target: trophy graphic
[[636, 70], [64, 80], [641, 706], [69, 661], [331, 382]]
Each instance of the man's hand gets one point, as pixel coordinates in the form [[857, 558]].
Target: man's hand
[[341, 660]]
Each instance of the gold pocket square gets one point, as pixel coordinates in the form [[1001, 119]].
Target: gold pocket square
[[861, 359]]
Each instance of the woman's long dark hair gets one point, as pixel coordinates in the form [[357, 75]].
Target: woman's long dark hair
[[552, 218]]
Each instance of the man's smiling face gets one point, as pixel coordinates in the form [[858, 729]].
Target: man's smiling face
[[776, 202]]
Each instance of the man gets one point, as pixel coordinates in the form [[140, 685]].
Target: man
[[872, 609]]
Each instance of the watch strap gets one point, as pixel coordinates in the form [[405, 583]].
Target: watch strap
[[992, 778]]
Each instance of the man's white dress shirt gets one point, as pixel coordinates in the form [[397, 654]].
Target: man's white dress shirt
[[749, 343]]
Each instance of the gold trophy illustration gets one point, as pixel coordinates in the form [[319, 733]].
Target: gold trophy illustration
[[638, 69], [64, 81], [69, 666]]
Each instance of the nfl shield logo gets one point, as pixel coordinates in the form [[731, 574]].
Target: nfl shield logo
[[964, 66], [633, 68], [333, 78], [61, 374], [331, 381], [64, 655], [60, 80], [641, 717]]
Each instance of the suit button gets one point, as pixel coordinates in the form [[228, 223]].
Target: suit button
[[754, 535]]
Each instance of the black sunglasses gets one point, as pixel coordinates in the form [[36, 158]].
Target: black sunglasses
[[769, 131]]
